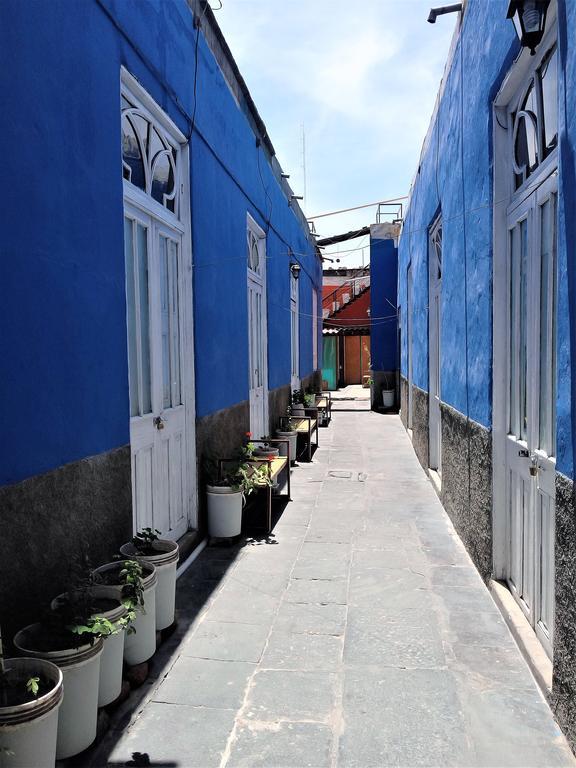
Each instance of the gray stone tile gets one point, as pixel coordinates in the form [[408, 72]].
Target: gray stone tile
[[455, 576], [408, 640], [334, 535], [291, 695], [262, 581], [476, 598], [491, 667], [314, 618], [227, 641], [394, 590], [378, 558], [402, 718], [513, 729], [291, 650], [281, 745], [244, 605], [205, 683], [484, 629], [317, 591], [310, 567], [176, 736]]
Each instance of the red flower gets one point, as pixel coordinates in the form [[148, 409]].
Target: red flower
[[248, 434]]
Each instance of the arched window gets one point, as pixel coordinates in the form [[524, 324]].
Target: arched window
[[150, 160], [535, 121]]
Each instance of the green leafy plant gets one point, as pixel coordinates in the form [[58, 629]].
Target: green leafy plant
[[9, 684], [132, 589], [145, 539], [33, 685]]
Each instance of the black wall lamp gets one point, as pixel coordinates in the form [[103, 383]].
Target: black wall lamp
[[529, 17], [295, 269]]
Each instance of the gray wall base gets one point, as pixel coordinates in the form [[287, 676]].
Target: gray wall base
[[467, 484], [563, 698], [49, 521]]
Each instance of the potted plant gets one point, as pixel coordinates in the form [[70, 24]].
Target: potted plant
[[265, 449], [71, 637], [388, 392], [298, 406], [146, 546], [135, 584], [227, 493], [106, 603], [30, 697], [289, 434]]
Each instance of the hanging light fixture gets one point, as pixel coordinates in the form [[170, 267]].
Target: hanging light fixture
[[529, 17], [295, 269]]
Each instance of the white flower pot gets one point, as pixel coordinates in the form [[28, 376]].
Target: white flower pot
[[110, 683], [165, 562], [29, 730], [388, 398], [224, 511], [293, 438], [139, 645], [80, 667]]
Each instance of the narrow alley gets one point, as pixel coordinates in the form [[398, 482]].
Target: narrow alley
[[358, 634]]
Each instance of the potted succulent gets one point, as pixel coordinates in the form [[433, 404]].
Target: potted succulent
[[227, 493], [147, 546], [298, 405], [71, 636], [30, 697], [135, 583], [289, 434]]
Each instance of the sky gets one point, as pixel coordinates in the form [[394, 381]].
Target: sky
[[358, 80]]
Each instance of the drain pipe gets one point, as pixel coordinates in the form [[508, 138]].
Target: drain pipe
[[435, 12]]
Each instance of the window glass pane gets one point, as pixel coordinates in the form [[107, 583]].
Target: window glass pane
[[144, 316], [131, 155], [522, 319], [173, 272], [165, 323], [526, 147], [547, 327], [514, 424], [131, 317], [549, 75], [163, 178]]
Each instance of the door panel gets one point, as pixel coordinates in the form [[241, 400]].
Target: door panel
[[530, 443], [153, 256], [257, 331], [352, 370]]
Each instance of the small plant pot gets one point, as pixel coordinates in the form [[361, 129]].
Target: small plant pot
[[224, 511], [139, 645], [266, 453], [388, 398], [78, 715], [166, 562], [298, 410], [110, 683], [28, 731], [293, 438]]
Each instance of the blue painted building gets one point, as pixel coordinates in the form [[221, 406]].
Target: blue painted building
[[148, 296], [486, 295]]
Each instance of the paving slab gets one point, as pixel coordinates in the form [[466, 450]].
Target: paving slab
[[358, 634]]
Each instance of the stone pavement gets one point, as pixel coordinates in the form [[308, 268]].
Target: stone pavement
[[358, 635]]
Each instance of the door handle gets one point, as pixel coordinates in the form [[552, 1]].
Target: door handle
[[524, 453], [158, 422]]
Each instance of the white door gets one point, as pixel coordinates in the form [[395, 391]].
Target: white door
[[294, 331], [531, 440], [434, 326], [409, 312], [257, 331], [153, 258]]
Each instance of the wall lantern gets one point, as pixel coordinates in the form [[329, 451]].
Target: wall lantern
[[295, 269], [529, 17]]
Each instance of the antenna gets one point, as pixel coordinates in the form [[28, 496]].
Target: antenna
[[304, 163]]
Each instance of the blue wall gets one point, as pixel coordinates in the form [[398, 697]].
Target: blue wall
[[453, 177], [383, 298], [64, 383]]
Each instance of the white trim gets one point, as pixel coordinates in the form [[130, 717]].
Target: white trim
[[148, 104], [261, 279]]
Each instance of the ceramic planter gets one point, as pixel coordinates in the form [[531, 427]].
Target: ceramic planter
[[224, 511], [292, 437], [388, 398], [298, 410], [80, 668], [139, 645], [29, 730], [166, 563]]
